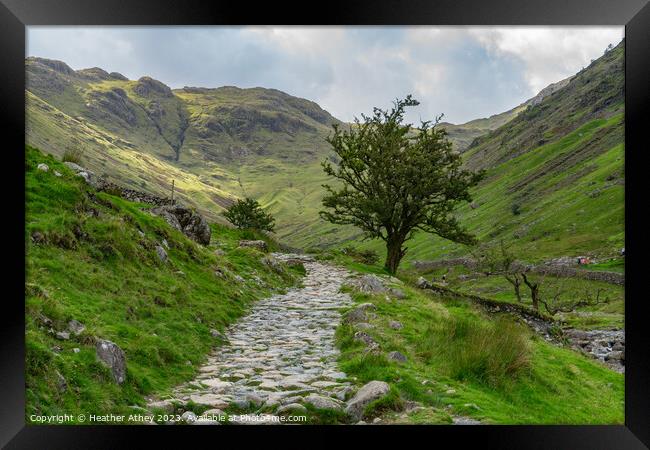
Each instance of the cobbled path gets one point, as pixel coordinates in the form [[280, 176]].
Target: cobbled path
[[281, 353]]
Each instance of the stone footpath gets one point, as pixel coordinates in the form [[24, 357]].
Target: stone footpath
[[282, 353]]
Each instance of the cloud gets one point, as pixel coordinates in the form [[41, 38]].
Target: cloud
[[548, 53], [465, 72]]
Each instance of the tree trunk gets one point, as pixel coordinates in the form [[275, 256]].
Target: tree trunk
[[516, 284], [534, 291], [394, 254]]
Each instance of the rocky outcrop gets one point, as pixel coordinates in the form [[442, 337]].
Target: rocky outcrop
[[191, 223], [112, 356], [147, 86]]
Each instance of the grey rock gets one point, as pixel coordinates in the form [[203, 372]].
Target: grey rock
[[189, 222], [370, 283], [618, 355], [258, 244], [162, 254], [76, 327], [273, 263], [397, 293], [397, 356], [113, 356], [57, 173], [75, 167], [360, 313], [422, 283], [364, 337], [63, 335], [368, 393], [43, 167], [76, 350], [165, 243], [395, 325]]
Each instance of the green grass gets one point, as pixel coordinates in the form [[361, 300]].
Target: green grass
[[91, 264], [463, 362]]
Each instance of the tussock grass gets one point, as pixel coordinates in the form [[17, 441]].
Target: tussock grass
[[491, 352], [73, 155]]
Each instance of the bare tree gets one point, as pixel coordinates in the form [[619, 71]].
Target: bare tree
[[500, 261]]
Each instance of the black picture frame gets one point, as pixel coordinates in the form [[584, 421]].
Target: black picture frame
[[15, 15]]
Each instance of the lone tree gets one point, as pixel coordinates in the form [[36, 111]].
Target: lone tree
[[396, 181], [248, 214]]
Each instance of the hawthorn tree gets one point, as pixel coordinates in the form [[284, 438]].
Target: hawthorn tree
[[248, 214], [396, 180]]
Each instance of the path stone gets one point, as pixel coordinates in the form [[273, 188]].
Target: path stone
[[282, 353]]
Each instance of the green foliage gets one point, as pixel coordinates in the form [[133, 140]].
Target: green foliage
[[248, 214], [379, 161]]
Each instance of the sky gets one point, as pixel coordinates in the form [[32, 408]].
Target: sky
[[463, 72]]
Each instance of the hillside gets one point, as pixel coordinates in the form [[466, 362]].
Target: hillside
[[555, 174], [216, 144], [223, 143], [94, 273]]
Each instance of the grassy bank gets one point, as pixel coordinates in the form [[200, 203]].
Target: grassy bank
[[462, 361], [92, 257]]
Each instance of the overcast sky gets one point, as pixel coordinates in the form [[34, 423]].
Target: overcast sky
[[463, 72]]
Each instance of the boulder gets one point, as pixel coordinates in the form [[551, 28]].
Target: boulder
[[88, 175], [76, 327], [112, 356], [368, 393], [397, 356], [422, 283], [190, 223], [370, 283], [397, 293], [359, 314], [259, 245], [43, 167]]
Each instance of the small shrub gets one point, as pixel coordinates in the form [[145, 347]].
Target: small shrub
[[72, 155], [516, 209], [248, 214]]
